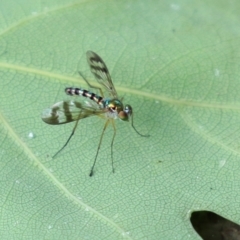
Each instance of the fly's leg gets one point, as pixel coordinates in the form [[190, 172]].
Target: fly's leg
[[91, 86], [114, 134], [73, 131], [99, 145]]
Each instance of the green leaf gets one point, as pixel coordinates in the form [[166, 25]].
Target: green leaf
[[176, 63]]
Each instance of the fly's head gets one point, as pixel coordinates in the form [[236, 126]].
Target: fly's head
[[126, 113]]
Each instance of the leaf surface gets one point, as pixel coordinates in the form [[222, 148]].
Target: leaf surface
[[177, 64]]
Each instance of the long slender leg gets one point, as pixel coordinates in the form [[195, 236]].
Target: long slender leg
[[91, 86], [73, 131], [99, 145], [114, 134]]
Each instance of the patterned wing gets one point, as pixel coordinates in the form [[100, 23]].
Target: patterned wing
[[100, 71], [69, 111]]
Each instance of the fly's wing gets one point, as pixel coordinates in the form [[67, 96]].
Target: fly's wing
[[69, 111], [100, 71]]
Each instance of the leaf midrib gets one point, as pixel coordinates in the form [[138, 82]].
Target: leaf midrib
[[148, 95]]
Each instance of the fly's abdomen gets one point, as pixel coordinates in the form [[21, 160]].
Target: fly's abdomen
[[84, 93]]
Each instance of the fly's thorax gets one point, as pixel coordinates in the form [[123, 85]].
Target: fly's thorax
[[114, 107], [117, 110]]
